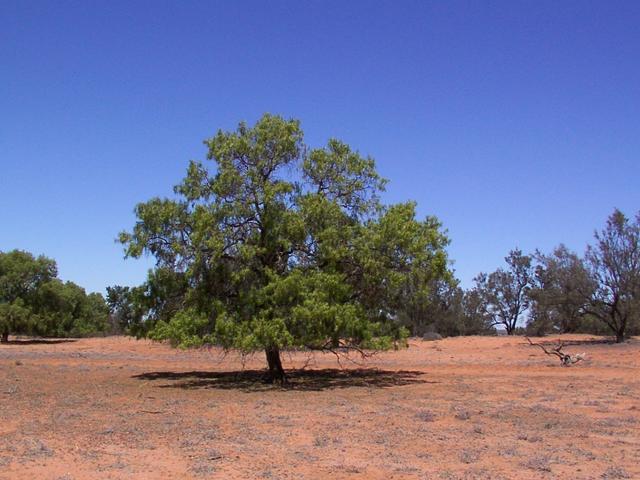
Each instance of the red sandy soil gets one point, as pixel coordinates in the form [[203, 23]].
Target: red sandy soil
[[460, 408]]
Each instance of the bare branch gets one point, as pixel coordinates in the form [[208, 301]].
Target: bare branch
[[565, 359]]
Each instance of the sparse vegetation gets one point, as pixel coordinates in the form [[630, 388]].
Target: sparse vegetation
[[475, 410]]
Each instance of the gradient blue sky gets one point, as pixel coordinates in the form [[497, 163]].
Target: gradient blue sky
[[517, 123]]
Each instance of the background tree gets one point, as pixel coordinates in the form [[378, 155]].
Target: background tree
[[562, 287], [614, 264], [475, 318], [504, 293], [282, 246], [130, 307], [21, 275], [444, 311], [444, 308], [120, 307], [34, 301], [426, 303], [64, 309]]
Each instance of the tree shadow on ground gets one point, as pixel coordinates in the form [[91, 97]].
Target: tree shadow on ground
[[303, 380], [39, 341]]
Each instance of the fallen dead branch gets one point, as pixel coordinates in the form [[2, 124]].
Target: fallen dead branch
[[565, 359]]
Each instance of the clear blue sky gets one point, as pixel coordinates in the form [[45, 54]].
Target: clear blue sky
[[517, 123]]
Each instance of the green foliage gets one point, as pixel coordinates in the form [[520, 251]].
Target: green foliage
[[15, 317], [186, 328], [34, 301], [441, 306], [135, 310], [281, 246], [561, 288]]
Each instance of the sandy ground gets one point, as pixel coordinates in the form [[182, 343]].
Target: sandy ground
[[461, 408]]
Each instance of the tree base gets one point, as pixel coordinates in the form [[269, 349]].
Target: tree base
[[276, 372], [4, 338]]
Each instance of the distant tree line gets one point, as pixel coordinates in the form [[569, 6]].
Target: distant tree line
[[34, 301], [446, 309], [538, 294]]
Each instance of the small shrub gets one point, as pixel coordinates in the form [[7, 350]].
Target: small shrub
[[615, 473], [426, 416]]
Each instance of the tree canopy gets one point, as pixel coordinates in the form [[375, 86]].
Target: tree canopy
[[34, 301], [281, 245], [560, 291]]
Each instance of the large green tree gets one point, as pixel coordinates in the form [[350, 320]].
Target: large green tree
[[281, 246]]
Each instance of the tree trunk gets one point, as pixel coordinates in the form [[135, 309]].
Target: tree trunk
[[276, 372], [621, 328], [5, 337]]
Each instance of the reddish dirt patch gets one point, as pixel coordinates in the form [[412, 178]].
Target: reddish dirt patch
[[463, 408]]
